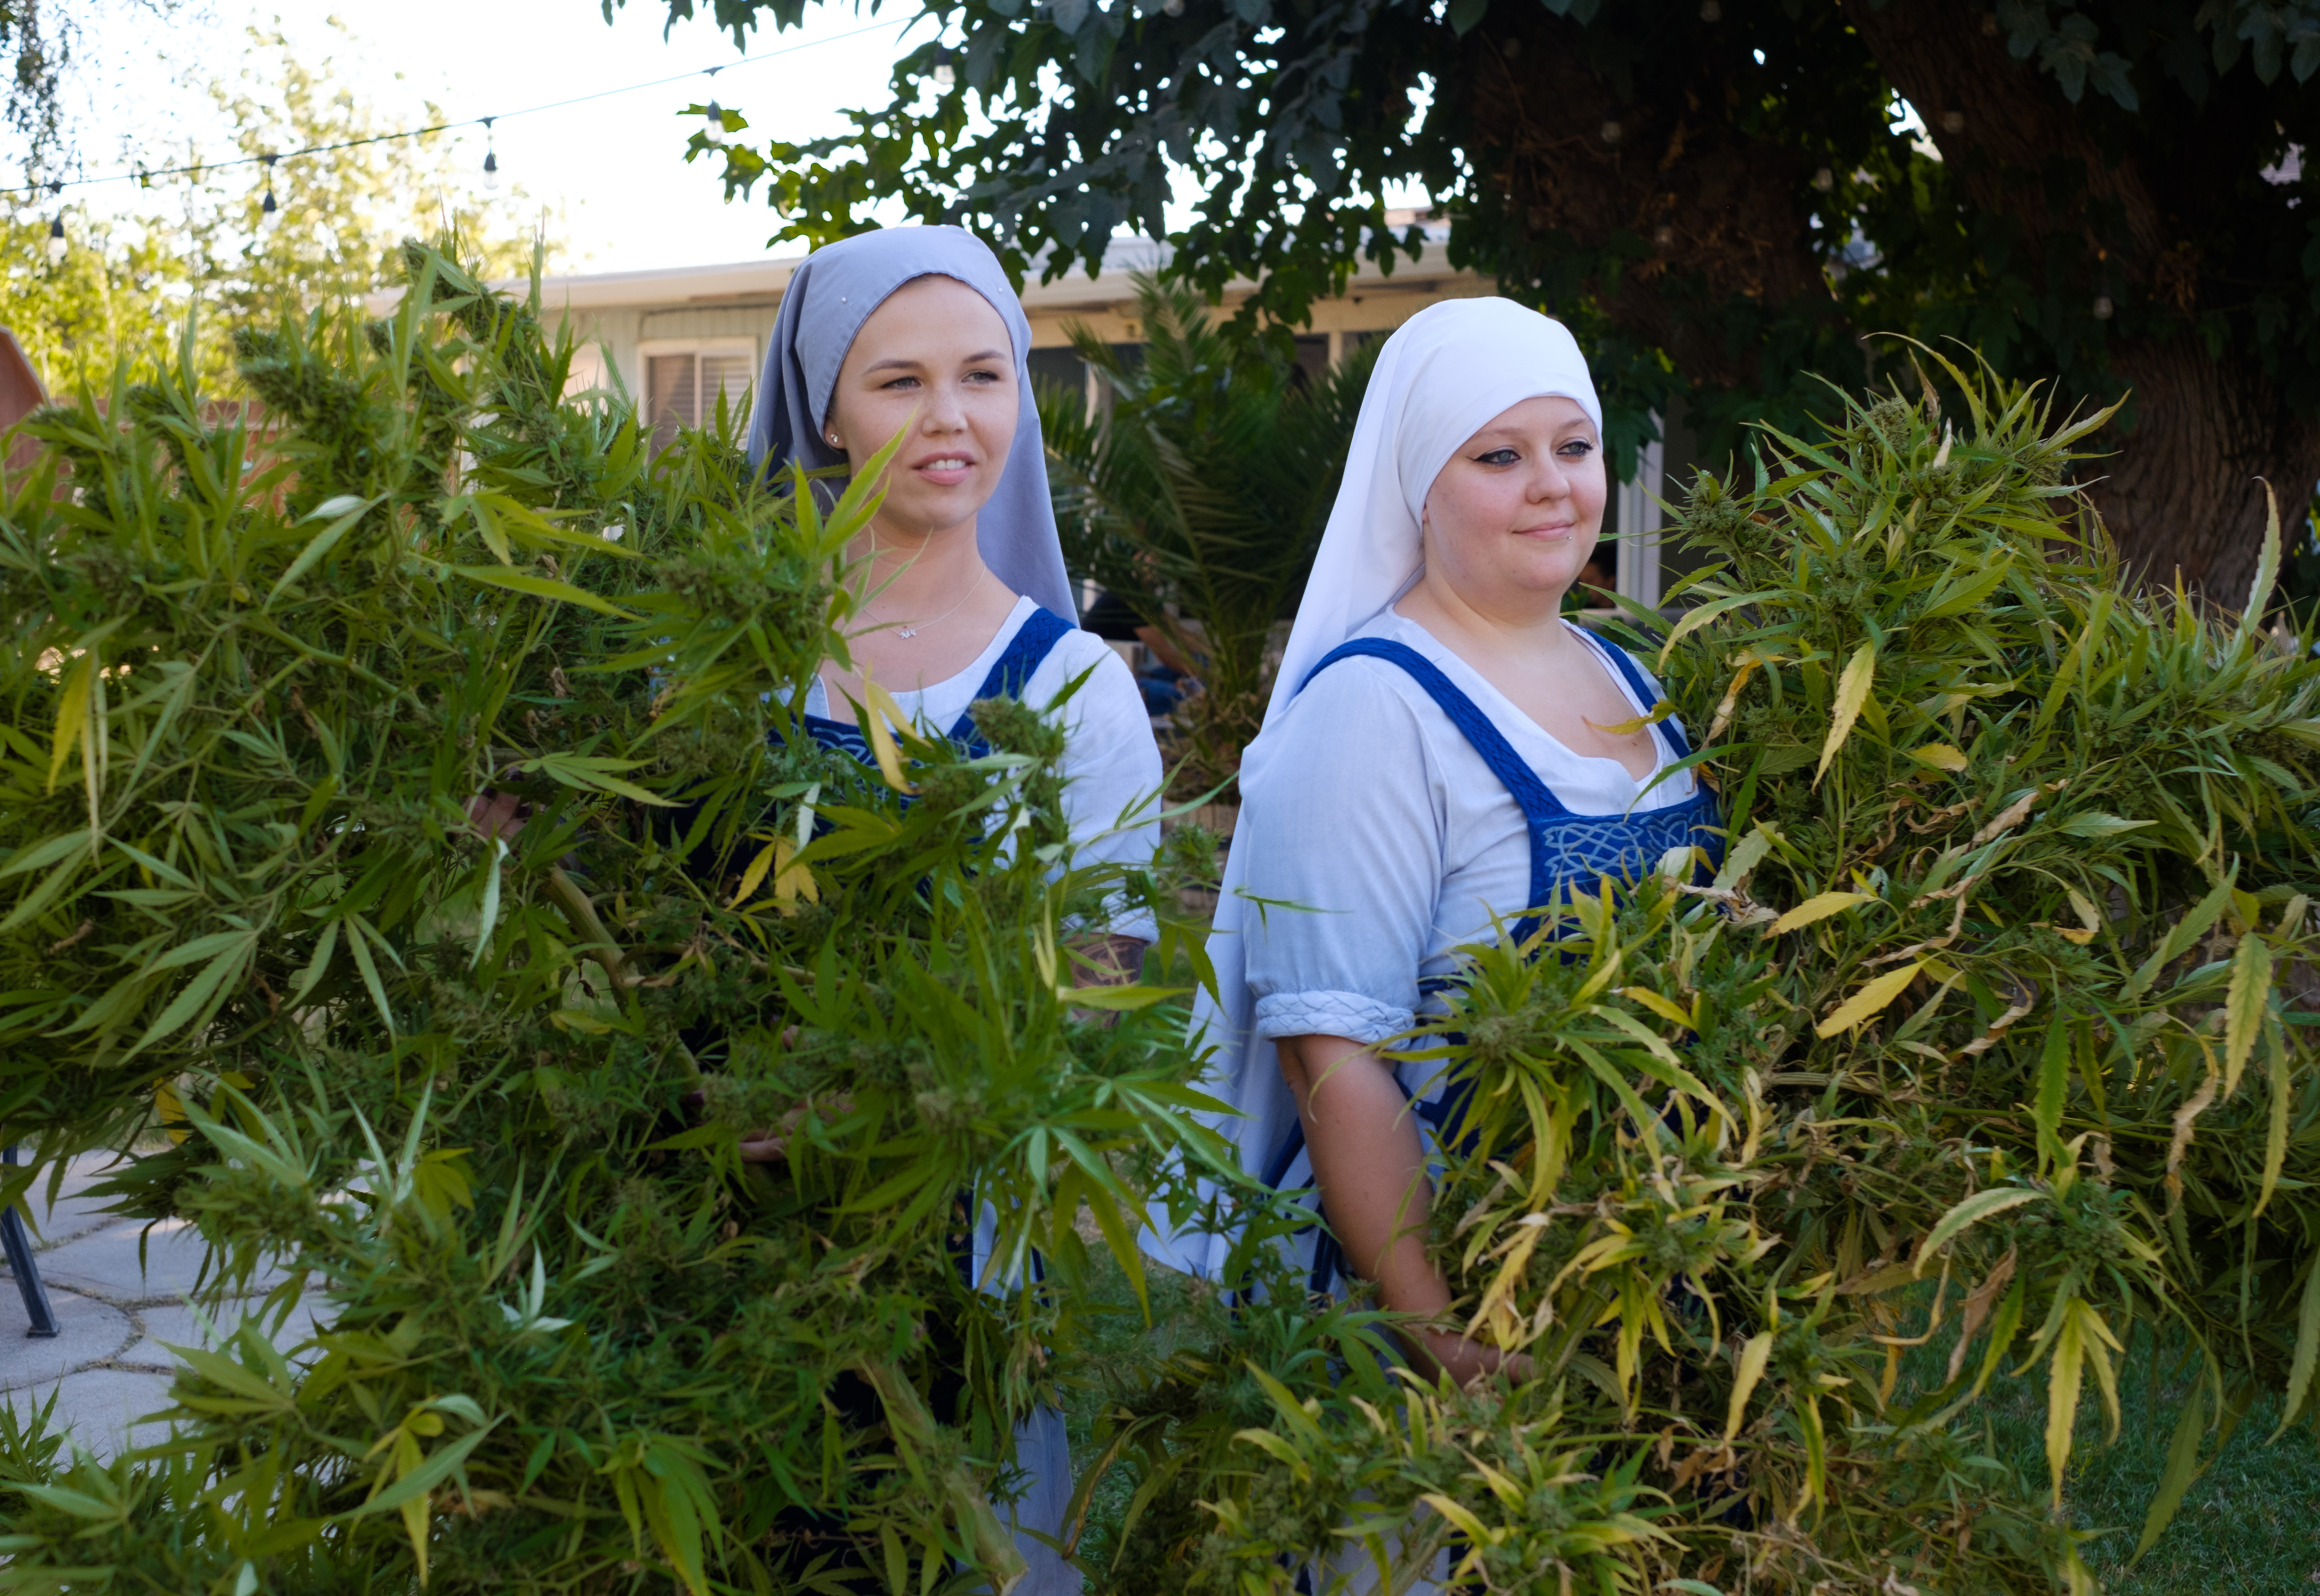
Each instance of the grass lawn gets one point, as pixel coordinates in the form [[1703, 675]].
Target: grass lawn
[[2249, 1527]]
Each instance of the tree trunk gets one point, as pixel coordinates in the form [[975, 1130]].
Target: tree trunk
[[2094, 215], [2180, 493]]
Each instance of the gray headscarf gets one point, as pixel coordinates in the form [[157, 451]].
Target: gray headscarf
[[831, 294]]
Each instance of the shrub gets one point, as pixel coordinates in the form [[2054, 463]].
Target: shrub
[[485, 1096], [1204, 483], [1988, 1046]]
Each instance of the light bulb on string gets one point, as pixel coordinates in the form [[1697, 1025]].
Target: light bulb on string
[[491, 156], [58, 243], [712, 120], [946, 74], [269, 213]]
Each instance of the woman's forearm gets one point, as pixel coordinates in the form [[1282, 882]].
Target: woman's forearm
[[1369, 1163]]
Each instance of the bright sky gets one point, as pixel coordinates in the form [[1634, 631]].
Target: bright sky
[[613, 166]]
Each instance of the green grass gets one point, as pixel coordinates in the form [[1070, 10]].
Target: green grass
[[2250, 1525]]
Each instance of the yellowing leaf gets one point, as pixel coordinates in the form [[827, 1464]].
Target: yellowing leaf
[[2083, 907], [2244, 1008], [72, 714], [754, 876], [882, 709], [1972, 1211], [1941, 756], [2307, 1353], [1635, 723], [170, 1111], [1851, 693], [1870, 1002], [1694, 619], [1819, 908], [1750, 1369], [793, 882], [1658, 1004], [2062, 1398]]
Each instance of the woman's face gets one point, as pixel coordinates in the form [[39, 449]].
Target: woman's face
[[1512, 519], [934, 360]]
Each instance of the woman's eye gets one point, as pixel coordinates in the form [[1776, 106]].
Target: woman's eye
[[982, 376], [900, 381], [1497, 457], [1578, 448]]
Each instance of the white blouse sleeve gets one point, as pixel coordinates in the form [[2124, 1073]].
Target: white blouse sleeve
[[1344, 841], [1111, 768]]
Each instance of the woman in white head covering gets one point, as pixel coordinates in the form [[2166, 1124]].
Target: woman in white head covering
[[916, 332], [1438, 757]]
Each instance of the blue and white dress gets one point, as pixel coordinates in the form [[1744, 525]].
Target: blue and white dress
[[1404, 805], [1111, 767]]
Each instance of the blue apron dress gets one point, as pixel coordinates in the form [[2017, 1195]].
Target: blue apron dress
[[1033, 641], [1566, 850], [1042, 1450]]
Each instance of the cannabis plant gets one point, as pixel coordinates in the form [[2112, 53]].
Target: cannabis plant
[[483, 1093], [1983, 1055], [1198, 492]]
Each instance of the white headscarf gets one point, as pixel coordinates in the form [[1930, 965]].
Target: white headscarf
[[1444, 375]]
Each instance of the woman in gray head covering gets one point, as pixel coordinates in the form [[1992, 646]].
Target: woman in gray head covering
[[916, 333], [837, 289]]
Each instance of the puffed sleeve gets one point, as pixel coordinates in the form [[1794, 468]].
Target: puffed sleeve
[[1110, 769], [1345, 849]]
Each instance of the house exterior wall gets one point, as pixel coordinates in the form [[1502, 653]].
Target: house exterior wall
[[624, 319]]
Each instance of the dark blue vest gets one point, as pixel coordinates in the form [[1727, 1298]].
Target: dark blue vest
[[1033, 641], [1566, 850]]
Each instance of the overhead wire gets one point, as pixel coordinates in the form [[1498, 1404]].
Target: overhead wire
[[145, 175]]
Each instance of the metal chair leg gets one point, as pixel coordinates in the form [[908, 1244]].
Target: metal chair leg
[[18, 1240]]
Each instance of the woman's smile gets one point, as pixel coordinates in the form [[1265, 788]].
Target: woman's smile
[[948, 469]]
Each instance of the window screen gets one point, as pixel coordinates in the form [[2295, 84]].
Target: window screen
[[669, 380], [729, 375]]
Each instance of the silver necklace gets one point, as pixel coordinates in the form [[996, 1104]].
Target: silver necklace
[[912, 629]]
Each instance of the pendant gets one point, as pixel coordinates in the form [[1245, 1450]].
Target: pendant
[[908, 631]]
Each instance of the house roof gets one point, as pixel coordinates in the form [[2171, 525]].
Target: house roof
[[764, 281]]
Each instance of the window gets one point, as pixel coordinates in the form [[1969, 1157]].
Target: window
[[682, 385]]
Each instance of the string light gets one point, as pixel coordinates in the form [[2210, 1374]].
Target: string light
[[491, 156], [713, 119], [269, 213], [58, 243], [945, 72], [144, 176]]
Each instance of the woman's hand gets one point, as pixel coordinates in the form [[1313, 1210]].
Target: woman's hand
[[496, 816], [1108, 961], [772, 1147]]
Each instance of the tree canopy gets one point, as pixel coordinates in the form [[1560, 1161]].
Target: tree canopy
[[126, 280], [1720, 196]]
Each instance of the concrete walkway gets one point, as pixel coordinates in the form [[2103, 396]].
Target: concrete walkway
[[107, 1366]]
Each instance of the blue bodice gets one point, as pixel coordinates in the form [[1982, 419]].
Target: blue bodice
[[1033, 641]]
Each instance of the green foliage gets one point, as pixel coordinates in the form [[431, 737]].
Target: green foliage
[[1199, 491], [485, 1094], [1722, 199], [200, 235], [1986, 1051], [1983, 1058]]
